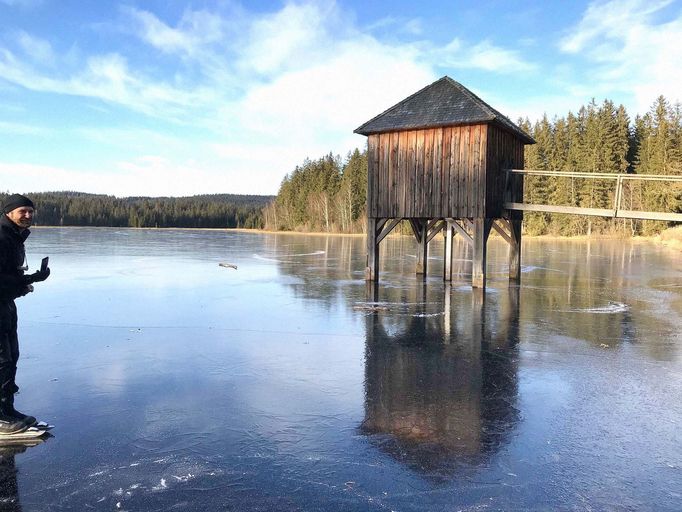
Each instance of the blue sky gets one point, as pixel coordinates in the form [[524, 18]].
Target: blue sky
[[177, 97]]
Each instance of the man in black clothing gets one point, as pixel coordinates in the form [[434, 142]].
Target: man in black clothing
[[16, 218]]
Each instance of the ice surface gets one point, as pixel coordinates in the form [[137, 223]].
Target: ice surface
[[288, 385]]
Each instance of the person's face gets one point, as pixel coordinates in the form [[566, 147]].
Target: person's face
[[22, 216]]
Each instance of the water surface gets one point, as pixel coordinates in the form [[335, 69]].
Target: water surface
[[287, 384]]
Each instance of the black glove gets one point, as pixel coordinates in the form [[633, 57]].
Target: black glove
[[38, 276]]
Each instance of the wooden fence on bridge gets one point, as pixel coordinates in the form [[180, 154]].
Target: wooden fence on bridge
[[616, 212]]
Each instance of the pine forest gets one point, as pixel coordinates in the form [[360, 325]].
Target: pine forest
[[207, 211]]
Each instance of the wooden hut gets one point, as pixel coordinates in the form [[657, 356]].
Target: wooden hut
[[437, 159]]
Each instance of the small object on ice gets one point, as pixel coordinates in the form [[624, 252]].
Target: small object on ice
[[228, 265], [371, 307]]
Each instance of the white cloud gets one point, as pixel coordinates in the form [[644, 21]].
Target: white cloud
[[296, 36], [484, 55], [38, 49], [195, 29], [265, 92], [633, 53], [108, 78]]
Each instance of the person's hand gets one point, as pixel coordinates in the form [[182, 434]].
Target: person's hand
[[38, 276], [28, 289]]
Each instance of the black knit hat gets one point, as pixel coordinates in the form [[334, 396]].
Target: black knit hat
[[16, 201]]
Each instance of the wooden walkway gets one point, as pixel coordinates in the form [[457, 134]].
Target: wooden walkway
[[616, 212]]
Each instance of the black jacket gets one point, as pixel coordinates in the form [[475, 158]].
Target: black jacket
[[12, 256]]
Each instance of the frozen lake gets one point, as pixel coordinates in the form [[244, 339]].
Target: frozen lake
[[285, 385]]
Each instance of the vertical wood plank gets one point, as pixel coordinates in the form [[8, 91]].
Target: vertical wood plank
[[437, 160], [463, 180], [454, 174], [420, 196], [482, 167], [385, 170], [445, 172], [395, 183], [371, 176], [428, 173], [402, 174], [466, 168], [411, 172]]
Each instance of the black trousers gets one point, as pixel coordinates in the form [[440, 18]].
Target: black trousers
[[9, 348]]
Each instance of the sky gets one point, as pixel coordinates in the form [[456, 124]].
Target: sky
[[178, 97]]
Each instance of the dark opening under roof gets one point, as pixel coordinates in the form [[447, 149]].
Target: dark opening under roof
[[443, 103]]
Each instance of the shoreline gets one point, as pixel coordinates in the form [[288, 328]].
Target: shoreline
[[670, 238]]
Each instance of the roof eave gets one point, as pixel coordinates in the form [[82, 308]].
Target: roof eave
[[520, 134]]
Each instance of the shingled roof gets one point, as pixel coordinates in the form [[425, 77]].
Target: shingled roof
[[443, 103]]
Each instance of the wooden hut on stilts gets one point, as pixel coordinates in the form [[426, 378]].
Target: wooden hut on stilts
[[437, 160]]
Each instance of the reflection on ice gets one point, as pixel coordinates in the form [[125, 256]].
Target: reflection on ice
[[613, 307], [443, 393]]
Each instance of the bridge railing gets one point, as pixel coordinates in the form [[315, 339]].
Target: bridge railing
[[616, 212]]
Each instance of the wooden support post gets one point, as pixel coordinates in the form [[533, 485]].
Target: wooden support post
[[372, 291], [515, 250], [372, 268], [447, 259], [422, 246], [447, 314], [481, 232]]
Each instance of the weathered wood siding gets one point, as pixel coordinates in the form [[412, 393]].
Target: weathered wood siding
[[504, 151], [453, 171]]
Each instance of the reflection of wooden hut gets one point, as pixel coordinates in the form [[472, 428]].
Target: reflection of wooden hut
[[443, 387], [436, 159]]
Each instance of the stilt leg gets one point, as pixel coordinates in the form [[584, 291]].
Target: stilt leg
[[422, 247], [481, 231], [515, 250], [372, 268], [447, 260]]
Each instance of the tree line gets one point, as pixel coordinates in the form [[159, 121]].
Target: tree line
[[203, 211], [326, 194], [602, 139], [329, 194]]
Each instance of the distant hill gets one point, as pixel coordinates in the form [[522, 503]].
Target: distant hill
[[203, 211]]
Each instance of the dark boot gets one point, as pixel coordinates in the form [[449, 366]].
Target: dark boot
[[8, 407], [10, 425]]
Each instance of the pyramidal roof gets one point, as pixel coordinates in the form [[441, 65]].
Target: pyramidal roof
[[443, 103]]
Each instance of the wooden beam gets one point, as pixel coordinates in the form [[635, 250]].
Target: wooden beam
[[595, 212], [439, 227], [597, 175], [387, 230], [463, 232], [415, 224], [380, 225], [633, 214], [501, 231]]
